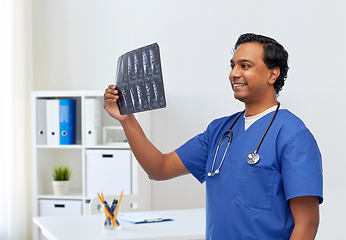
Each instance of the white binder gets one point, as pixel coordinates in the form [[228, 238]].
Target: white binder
[[41, 129], [92, 134], [52, 113]]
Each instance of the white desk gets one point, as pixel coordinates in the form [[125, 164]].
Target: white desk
[[187, 224]]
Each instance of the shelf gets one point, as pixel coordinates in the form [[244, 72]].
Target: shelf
[[74, 146], [120, 145], [67, 93], [72, 194]]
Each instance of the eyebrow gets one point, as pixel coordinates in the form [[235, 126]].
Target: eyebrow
[[242, 61]]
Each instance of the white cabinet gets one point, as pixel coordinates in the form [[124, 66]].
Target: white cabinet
[[109, 170], [88, 173], [52, 207]]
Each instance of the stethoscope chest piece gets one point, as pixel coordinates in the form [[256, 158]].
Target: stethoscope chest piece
[[253, 158]]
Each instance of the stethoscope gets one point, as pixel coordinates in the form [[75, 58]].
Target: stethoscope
[[253, 157]]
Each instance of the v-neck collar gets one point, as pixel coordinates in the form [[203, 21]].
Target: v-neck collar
[[252, 119]]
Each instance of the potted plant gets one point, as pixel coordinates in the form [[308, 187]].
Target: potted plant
[[61, 176]]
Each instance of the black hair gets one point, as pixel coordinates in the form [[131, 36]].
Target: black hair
[[275, 55]]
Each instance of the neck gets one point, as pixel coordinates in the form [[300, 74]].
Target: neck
[[252, 109]]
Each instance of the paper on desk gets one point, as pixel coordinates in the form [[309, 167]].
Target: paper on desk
[[142, 217]]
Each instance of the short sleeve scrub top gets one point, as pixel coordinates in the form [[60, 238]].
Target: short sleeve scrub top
[[251, 201]]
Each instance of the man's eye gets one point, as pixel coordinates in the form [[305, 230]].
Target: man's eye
[[232, 66], [245, 66]]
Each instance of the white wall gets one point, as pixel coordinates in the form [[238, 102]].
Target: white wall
[[77, 43]]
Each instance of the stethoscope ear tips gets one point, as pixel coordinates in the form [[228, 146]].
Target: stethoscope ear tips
[[209, 174]]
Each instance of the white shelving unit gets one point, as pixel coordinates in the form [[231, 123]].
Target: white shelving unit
[[46, 157]]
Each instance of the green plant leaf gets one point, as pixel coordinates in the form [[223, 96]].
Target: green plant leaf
[[61, 173]]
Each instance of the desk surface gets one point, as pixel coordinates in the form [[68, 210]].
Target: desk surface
[[187, 224]]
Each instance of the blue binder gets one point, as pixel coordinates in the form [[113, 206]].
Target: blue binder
[[67, 115]]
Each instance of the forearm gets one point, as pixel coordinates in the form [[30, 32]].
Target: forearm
[[157, 165], [148, 156], [304, 231]]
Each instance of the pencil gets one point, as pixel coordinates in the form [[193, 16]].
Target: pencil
[[117, 209], [106, 210], [99, 197]]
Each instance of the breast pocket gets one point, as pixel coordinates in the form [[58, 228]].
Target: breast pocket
[[255, 187]]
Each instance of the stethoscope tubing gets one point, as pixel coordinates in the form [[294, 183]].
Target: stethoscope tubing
[[212, 172], [265, 133]]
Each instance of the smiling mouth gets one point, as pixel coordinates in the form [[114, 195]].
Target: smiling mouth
[[238, 85]]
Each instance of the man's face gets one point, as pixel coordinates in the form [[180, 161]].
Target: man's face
[[250, 77]]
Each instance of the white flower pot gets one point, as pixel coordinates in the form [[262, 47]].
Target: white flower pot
[[60, 187]]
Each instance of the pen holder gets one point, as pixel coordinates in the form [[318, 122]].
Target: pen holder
[[109, 221]]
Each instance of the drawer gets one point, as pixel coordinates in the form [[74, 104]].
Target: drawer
[[108, 171], [51, 207]]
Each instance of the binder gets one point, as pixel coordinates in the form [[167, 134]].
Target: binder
[[67, 116], [41, 128], [52, 117], [92, 121]]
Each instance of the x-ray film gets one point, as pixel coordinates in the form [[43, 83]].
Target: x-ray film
[[139, 80]]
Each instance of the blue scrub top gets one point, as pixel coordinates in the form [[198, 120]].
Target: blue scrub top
[[251, 201]]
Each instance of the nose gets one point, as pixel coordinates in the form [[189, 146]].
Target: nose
[[235, 73]]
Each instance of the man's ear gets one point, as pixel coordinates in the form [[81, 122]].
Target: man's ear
[[274, 74]]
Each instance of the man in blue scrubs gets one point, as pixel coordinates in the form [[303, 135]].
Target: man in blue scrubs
[[276, 198]]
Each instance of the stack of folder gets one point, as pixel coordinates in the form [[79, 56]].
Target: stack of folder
[[56, 121]]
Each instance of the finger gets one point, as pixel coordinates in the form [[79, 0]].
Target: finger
[[109, 90], [112, 87], [110, 96], [112, 91]]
